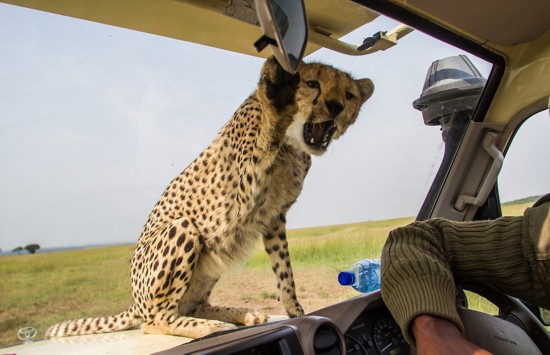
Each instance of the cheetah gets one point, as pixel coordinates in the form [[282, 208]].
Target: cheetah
[[235, 192]]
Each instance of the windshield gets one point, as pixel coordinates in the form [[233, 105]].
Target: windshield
[[97, 120]]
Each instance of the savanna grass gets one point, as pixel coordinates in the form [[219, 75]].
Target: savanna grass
[[334, 246], [41, 289]]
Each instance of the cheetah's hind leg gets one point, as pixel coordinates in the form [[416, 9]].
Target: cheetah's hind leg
[[172, 267], [185, 326], [196, 303]]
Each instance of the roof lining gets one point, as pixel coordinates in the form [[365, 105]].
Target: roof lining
[[499, 22]]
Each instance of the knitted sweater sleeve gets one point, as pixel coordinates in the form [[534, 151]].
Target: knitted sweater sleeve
[[422, 262]]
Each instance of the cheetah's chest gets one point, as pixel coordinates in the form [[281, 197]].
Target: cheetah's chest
[[261, 209]]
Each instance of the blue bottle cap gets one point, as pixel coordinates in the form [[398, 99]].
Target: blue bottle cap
[[346, 278]]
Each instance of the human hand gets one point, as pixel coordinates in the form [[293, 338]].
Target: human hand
[[436, 335]]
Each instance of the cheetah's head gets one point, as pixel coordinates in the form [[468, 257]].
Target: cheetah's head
[[328, 103]]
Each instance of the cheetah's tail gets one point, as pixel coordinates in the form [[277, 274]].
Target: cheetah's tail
[[123, 321]]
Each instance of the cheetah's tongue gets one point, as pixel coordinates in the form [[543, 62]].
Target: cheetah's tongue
[[319, 134]]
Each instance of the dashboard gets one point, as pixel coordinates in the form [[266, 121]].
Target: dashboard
[[358, 326], [363, 325]]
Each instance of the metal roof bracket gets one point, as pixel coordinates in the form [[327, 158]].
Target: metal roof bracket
[[489, 144]]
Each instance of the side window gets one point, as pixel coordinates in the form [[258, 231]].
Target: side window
[[525, 174]]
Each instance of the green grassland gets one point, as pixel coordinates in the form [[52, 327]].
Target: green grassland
[[42, 289]]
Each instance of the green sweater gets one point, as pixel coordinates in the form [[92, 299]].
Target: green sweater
[[422, 262]]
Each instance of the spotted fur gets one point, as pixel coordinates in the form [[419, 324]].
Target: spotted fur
[[237, 191]]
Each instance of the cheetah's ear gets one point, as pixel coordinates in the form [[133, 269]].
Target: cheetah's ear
[[367, 88]]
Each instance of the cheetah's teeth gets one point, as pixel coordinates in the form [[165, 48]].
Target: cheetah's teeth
[[319, 134]]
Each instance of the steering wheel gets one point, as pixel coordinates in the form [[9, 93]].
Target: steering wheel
[[516, 330]]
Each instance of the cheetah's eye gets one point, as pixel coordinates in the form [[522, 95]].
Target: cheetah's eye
[[314, 84], [349, 96]]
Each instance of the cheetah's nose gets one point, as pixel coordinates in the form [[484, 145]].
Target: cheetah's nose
[[334, 107]]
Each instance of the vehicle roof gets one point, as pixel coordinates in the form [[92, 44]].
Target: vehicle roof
[[495, 23], [230, 25]]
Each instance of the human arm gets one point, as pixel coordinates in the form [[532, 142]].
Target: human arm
[[422, 262]]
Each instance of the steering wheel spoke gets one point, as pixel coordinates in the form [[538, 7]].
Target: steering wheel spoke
[[515, 330]]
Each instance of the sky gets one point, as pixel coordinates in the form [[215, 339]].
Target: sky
[[95, 121]]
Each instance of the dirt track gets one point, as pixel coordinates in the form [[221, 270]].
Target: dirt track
[[257, 289]]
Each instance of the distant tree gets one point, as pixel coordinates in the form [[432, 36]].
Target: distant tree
[[32, 248], [18, 250]]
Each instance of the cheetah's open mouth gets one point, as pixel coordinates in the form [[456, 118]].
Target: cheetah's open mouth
[[319, 134]]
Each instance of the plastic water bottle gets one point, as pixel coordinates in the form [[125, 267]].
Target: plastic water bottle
[[364, 276]]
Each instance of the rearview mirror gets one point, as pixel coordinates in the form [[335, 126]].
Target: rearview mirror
[[285, 28]]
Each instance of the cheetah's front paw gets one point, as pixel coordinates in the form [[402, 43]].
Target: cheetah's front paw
[[296, 311], [274, 74], [280, 86]]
